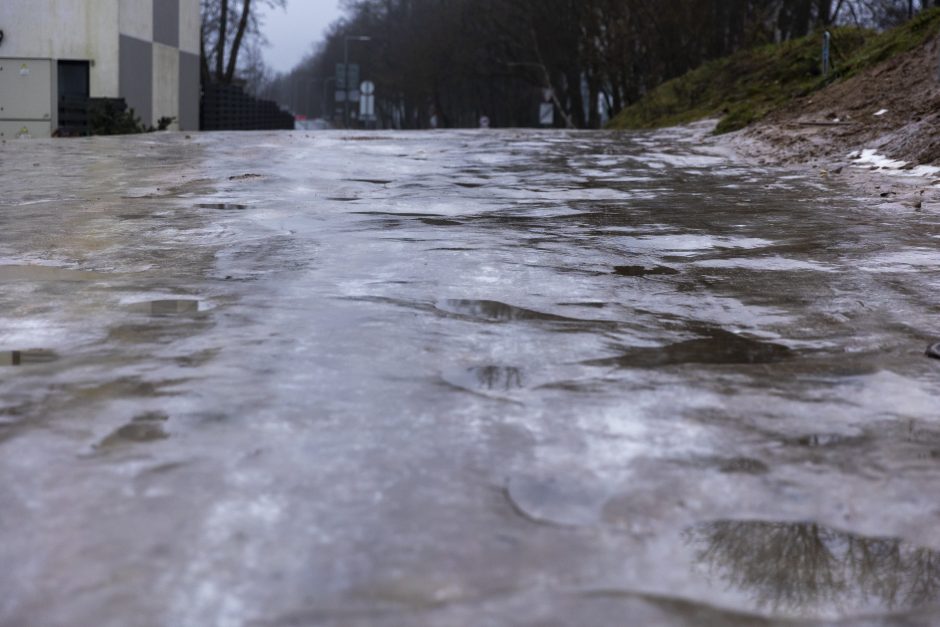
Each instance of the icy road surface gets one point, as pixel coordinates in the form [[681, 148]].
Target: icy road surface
[[460, 378]]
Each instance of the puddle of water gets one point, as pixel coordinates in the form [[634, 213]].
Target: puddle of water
[[441, 222], [222, 206], [826, 440], [372, 181], [807, 569], [142, 429], [486, 378], [743, 465], [641, 271], [721, 347], [47, 273], [27, 357]]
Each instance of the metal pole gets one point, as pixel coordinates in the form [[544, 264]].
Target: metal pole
[[310, 83], [346, 82], [346, 70], [827, 40], [327, 114]]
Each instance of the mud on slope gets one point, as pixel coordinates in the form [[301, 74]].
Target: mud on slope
[[826, 126]]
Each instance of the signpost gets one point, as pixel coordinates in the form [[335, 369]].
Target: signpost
[[341, 75], [349, 78], [547, 114], [367, 101], [547, 109]]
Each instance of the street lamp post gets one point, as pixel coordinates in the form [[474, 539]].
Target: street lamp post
[[326, 112], [346, 70]]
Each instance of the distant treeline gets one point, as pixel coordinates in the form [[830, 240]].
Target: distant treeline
[[459, 60]]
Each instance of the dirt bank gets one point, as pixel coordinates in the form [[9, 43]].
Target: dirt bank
[[880, 128]]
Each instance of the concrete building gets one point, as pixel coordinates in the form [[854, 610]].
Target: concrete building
[[145, 51]]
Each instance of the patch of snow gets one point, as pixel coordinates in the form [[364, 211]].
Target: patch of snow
[[880, 113], [870, 157]]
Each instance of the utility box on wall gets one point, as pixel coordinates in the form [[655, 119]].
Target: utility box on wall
[[26, 102]]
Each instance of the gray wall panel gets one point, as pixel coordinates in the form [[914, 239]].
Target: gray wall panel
[[166, 22], [136, 76], [189, 92]]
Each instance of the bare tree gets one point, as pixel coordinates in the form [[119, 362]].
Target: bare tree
[[467, 58], [226, 26]]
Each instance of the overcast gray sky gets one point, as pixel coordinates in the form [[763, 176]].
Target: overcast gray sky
[[292, 31]]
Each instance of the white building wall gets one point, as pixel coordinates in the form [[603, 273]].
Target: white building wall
[[166, 91], [101, 18], [146, 51], [171, 30], [65, 29], [190, 25], [136, 19]]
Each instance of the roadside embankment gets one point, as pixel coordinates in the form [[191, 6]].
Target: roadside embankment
[[884, 120], [877, 113]]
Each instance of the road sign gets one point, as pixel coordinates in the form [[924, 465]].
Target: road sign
[[547, 114], [366, 106], [341, 75], [340, 96], [367, 88]]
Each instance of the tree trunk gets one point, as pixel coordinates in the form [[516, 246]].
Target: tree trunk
[[220, 46], [575, 99], [204, 72], [239, 34], [802, 17], [594, 93], [824, 12]]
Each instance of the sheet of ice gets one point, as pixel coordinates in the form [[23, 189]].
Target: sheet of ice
[[458, 378]]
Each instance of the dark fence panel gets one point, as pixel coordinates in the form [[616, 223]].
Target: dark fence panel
[[228, 108]]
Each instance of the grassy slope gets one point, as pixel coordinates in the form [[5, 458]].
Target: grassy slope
[[746, 86]]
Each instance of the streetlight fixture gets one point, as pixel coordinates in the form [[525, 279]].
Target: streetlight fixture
[[346, 41]]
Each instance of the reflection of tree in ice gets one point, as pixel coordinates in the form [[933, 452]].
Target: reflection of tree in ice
[[498, 377], [801, 566]]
